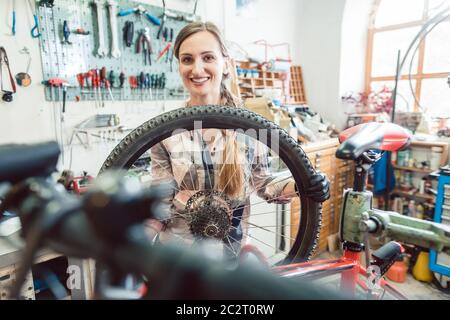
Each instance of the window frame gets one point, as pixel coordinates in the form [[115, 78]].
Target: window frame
[[419, 76]]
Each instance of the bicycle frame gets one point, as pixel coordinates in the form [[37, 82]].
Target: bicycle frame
[[357, 220], [349, 266]]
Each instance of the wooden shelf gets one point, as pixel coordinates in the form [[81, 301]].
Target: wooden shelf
[[260, 79], [412, 169], [414, 195], [290, 82]]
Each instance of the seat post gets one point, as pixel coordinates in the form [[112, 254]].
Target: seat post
[[361, 173]]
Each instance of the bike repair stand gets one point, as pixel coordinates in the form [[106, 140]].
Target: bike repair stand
[[355, 226]]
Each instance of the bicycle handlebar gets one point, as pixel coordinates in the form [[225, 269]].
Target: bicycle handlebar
[[106, 225]]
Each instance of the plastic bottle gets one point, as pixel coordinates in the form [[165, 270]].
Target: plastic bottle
[[397, 272], [435, 161], [420, 210], [412, 208], [421, 271]]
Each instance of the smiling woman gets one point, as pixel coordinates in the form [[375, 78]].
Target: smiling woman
[[204, 64], [216, 168]]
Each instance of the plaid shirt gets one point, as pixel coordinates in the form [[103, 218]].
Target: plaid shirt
[[180, 159]]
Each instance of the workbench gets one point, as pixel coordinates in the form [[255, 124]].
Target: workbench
[[10, 257]]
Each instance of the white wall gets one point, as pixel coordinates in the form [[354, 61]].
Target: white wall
[[355, 24], [319, 52], [275, 21]]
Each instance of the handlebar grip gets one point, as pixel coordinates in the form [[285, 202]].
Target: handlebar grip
[[20, 161]]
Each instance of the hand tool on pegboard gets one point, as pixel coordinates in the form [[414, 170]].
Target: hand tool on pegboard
[[115, 51], [23, 78], [171, 53], [163, 20], [93, 75], [13, 17], [144, 43], [48, 4], [128, 33], [98, 84], [80, 79], [105, 82], [66, 33], [112, 79], [81, 31], [121, 84], [101, 49], [133, 81], [148, 84], [7, 95], [58, 113], [141, 84], [35, 29], [140, 10], [164, 51]]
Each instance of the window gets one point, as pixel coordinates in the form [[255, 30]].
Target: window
[[423, 84]]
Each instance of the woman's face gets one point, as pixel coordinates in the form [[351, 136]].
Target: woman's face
[[202, 66]]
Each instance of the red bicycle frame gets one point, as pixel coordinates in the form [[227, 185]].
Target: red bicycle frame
[[349, 266]]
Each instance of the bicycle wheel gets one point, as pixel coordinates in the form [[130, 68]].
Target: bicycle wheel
[[293, 235]]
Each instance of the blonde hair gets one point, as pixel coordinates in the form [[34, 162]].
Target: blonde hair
[[231, 176]]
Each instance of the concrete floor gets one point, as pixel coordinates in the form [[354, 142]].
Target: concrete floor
[[411, 288]]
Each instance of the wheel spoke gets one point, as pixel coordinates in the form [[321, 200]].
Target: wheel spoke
[[263, 228], [270, 199], [231, 245], [207, 170], [159, 164]]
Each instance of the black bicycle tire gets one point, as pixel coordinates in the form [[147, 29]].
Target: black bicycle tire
[[159, 128]]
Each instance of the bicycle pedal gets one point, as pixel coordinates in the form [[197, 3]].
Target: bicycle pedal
[[385, 256]]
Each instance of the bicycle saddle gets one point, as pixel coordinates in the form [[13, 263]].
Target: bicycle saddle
[[20, 161], [373, 135]]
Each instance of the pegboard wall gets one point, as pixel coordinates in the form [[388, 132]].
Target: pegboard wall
[[80, 53]]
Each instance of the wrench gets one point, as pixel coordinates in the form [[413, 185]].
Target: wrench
[[101, 51], [115, 51]]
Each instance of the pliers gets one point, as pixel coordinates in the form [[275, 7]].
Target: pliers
[[144, 43]]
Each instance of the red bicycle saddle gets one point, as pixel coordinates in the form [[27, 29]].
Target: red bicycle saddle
[[373, 135]]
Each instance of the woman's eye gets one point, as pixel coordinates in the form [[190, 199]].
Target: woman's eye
[[186, 60], [208, 58]]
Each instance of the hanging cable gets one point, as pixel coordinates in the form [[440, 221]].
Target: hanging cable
[[414, 94]]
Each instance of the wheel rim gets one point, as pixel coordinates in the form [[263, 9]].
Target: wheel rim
[[137, 143]]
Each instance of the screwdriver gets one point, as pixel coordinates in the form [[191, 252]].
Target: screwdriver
[[81, 31], [103, 83], [142, 84], [121, 83], [80, 78], [112, 78], [121, 79], [148, 84]]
